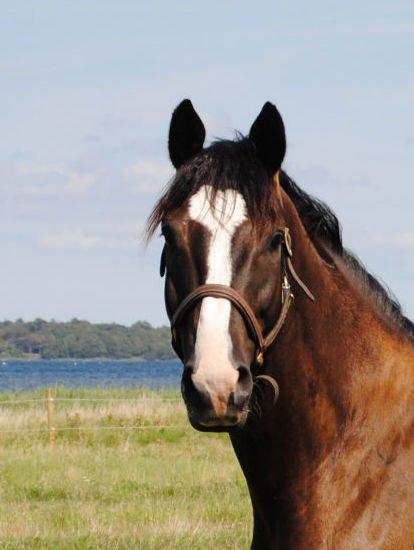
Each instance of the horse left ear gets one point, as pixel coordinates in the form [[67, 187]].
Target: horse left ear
[[268, 135], [187, 133]]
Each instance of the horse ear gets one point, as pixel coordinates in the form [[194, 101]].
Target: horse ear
[[163, 262], [187, 133], [268, 135]]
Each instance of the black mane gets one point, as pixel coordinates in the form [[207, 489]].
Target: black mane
[[322, 225], [227, 164], [223, 165]]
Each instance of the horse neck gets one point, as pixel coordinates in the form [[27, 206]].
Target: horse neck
[[335, 360]]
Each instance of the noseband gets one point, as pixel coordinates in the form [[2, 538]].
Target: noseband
[[228, 293]]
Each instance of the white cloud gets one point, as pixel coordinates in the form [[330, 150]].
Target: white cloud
[[79, 240], [403, 240], [53, 179], [148, 176], [400, 240], [78, 183], [40, 169]]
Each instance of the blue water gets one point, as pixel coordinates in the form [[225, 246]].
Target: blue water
[[20, 375]]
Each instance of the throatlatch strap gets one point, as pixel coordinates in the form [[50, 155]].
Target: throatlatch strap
[[299, 280]]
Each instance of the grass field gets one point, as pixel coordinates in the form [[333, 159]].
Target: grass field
[[158, 487]]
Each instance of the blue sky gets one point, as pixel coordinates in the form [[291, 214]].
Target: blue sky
[[88, 88]]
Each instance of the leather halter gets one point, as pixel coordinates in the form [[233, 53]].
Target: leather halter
[[228, 293]]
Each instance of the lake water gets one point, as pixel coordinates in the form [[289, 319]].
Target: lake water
[[19, 375]]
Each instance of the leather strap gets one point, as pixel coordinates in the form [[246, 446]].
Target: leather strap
[[299, 280], [249, 317], [272, 382], [228, 293], [272, 335]]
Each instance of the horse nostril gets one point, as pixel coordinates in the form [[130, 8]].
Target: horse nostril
[[245, 381], [189, 369], [186, 379], [243, 373]]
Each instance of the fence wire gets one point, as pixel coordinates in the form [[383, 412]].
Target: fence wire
[[49, 400], [108, 399], [78, 428]]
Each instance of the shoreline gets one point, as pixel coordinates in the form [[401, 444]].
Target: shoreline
[[84, 359]]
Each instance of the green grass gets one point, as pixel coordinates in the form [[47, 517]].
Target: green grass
[[117, 488]]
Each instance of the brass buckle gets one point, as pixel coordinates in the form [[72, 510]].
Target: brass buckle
[[288, 241], [259, 359], [285, 289]]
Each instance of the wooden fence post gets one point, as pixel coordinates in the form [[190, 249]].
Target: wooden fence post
[[49, 408]]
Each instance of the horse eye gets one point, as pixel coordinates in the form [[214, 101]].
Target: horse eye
[[274, 242], [167, 233]]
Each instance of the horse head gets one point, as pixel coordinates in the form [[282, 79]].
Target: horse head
[[227, 261]]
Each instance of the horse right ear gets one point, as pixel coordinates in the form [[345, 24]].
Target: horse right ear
[[268, 135], [187, 133]]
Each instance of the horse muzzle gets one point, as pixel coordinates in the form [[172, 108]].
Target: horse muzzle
[[218, 401]]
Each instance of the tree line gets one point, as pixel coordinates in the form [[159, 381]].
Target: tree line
[[83, 340]]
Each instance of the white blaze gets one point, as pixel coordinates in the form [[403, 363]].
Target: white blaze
[[214, 366]]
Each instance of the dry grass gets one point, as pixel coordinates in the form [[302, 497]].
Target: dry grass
[[117, 488]]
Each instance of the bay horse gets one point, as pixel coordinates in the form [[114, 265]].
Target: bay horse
[[331, 463]]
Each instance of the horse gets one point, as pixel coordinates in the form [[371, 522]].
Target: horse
[[287, 342]]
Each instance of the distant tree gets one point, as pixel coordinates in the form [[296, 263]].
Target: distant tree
[[81, 339]]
